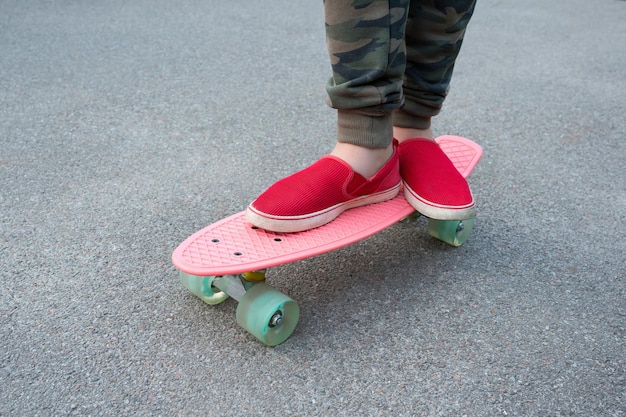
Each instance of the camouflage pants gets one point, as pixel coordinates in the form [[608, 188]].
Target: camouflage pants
[[391, 63]]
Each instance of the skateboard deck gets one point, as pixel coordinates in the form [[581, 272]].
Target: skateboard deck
[[232, 246]]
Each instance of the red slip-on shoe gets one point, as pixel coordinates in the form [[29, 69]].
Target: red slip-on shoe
[[432, 185], [318, 194]]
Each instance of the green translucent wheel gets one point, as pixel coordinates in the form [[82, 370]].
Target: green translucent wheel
[[453, 232], [202, 287], [268, 314]]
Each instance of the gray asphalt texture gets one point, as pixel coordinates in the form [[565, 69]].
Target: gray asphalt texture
[[126, 126]]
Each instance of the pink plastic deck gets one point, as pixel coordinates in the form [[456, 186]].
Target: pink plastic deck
[[233, 246]]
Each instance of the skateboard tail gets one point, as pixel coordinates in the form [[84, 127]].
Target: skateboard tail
[[463, 152]]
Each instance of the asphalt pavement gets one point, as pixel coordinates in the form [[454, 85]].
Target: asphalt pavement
[[126, 126]]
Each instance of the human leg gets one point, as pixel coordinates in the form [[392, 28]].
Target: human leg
[[434, 35], [366, 46], [365, 41]]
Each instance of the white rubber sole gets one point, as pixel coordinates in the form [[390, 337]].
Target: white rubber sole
[[291, 224], [438, 211]]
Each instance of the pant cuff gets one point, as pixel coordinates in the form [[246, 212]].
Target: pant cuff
[[364, 130], [412, 121]]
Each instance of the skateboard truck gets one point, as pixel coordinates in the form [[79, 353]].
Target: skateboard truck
[[266, 313]]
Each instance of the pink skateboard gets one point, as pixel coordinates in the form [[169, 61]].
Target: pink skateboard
[[229, 258]]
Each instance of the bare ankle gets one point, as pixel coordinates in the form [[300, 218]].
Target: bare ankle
[[365, 161]]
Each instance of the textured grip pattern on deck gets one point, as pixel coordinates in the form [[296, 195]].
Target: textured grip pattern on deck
[[232, 245], [463, 153]]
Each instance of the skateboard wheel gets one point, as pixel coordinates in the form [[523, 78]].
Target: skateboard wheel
[[268, 314], [202, 287], [453, 232]]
